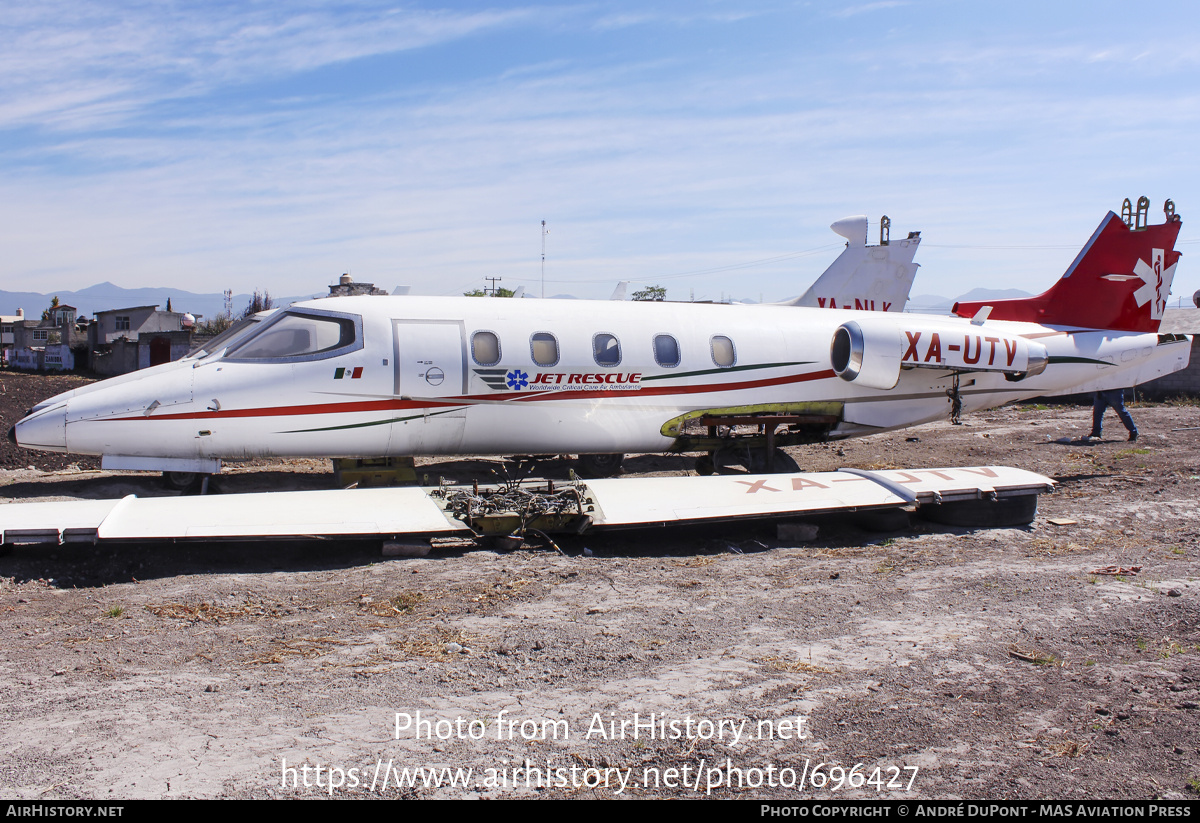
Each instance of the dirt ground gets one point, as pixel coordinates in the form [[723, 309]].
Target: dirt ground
[[929, 662]]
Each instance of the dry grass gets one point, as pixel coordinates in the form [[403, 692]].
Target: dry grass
[[1034, 656], [433, 646], [1067, 748], [795, 666], [211, 612], [303, 648], [1045, 547], [700, 560], [401, 604]]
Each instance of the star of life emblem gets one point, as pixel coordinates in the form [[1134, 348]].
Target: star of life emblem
[[1156, 283], [517, 379]]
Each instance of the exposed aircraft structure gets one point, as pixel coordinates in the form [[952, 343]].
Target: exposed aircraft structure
[[472, 511], [373, 376]]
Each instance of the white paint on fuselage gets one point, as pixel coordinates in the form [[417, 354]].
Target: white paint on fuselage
[[221, 408]]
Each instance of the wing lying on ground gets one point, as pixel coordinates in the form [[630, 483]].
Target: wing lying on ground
[[468, 510]]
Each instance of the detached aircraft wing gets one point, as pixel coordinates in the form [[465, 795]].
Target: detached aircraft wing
[[573, 507]]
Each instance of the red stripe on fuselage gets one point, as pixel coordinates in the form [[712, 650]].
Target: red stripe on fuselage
[[658, 391], [400, 405]]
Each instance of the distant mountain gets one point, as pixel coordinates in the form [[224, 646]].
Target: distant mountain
[[106, 296], [936, 304]]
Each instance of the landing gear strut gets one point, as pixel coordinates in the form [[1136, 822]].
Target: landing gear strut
[[599, 465], [188, 482], [746, 460]]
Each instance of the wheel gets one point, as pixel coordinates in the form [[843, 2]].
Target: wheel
[[179, 481], [599, 465], [705, 465], [747, 460], [984, 514]]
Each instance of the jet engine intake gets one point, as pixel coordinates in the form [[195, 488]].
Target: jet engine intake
[[872, 354], [866, 355]]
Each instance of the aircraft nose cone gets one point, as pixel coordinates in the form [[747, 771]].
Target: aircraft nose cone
[[12, 433], [45, 429]]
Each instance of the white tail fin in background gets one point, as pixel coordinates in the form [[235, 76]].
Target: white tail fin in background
[[870, 278]]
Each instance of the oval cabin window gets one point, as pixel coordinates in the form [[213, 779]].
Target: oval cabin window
[[543, 347], [666, 351], [607, 350], [485, 348], [722, 351]]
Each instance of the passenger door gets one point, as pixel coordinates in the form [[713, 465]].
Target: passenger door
[[430, 357]]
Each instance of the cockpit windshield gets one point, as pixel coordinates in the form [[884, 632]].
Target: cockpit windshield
[[299, 335], [226, 338]]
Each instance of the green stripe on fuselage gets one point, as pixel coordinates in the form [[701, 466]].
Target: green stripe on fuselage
[[726, 370]]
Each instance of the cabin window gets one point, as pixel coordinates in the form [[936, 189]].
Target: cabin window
[[666, 351], [543, 346], [607, 350], [722, 351], [297, 335], [485, 348]]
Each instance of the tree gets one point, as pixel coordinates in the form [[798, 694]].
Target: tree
[[655, 294], [500, 292], [259, 302], [211, 328]]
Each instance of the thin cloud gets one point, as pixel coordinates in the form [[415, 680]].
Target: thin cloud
[[867, 8], [69, 55]]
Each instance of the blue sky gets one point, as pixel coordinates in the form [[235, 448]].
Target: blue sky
[[703, 146]]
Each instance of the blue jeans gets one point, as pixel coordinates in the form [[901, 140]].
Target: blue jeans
[[1101, 401]]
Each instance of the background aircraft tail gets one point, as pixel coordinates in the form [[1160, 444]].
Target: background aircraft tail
[[873, 278], [1120, 280]]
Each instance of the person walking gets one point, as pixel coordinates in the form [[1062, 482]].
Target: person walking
[[1115, 398]]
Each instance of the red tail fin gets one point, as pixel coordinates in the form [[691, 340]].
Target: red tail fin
[[1120, 281]]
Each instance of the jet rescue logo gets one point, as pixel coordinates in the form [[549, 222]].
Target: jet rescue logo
[[516, 379]]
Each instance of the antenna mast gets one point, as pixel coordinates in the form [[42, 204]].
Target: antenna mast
[[543, 259]]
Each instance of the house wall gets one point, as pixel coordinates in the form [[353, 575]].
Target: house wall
[[118, 357], [180, 344], [142, 320], [51, 358]]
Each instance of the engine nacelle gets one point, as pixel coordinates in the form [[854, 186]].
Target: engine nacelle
[[866, 354], [872, 354]]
